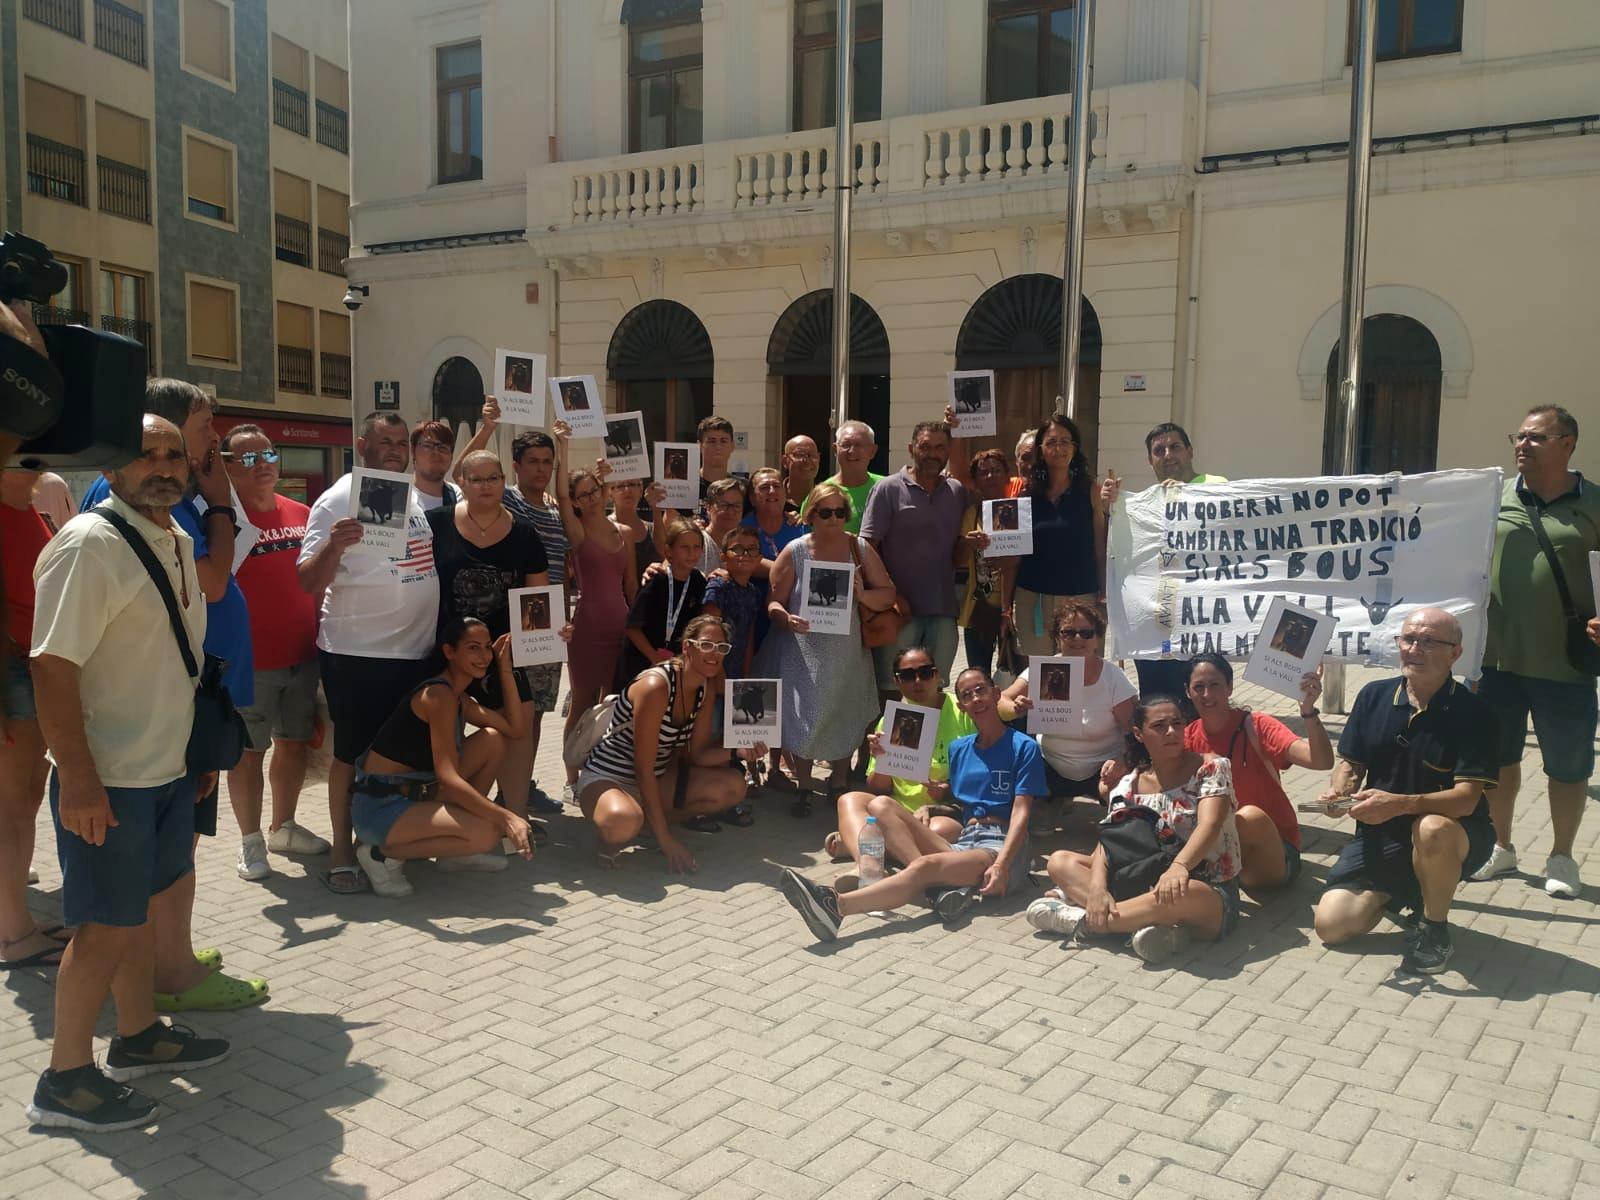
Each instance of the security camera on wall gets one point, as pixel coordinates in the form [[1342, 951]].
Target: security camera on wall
[[355, 295]]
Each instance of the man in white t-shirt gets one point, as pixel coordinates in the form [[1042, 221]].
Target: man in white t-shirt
[[379, 624]]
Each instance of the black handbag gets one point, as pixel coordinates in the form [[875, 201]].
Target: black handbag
[[1135, 855], [217, 738], [1582, 654]]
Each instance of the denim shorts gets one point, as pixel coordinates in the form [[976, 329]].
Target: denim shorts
[[374, 815], [144, 853], [1291, 862], [19, 690], [1228, 893], [1563, 721], [993, 839]]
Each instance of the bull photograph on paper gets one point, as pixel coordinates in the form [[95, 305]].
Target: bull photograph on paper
[[972, 397], [1009, 524], [752, 714], [577, 401], [1053, 682], [827, 596], [519, 380], [625, 446], [1195, 568], [380, 500], [538, 615], [1288, 647], [678, 471], [905, 748]]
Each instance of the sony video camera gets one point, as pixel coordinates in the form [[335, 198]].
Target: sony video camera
[[80, 408]]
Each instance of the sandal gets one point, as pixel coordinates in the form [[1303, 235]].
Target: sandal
[[345, 881], [833, 847], [801, 808], [612, 861], [215, 993], [50, 956], [704, 823], [739, 815]]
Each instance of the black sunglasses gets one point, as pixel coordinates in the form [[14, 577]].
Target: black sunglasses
[[926, 672], [1083, 635], [842, 514]]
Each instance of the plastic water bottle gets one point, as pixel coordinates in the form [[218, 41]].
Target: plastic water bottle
[[869, 844]]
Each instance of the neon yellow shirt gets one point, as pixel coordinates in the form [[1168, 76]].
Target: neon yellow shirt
[[953, 723]]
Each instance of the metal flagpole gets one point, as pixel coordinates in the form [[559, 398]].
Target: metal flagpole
[[1077, 198], [844, 175]]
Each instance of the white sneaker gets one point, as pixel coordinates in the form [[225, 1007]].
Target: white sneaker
[[1502, 861], [1157, 943], [569, 795], [388, 877], [1050, 914], [252, 862], [33, 876], [290, 838], [1561, 877], [474, 862]]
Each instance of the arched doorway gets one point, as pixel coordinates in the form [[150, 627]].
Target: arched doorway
[[1014, 329], [458, 395], [1401, 380], [661, 355], [800, 353]]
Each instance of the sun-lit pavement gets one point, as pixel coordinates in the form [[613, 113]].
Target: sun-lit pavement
[[561, 1030]]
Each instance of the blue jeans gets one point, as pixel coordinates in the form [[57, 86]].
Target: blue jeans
[[936, 634], [144, 853], [377, 801]]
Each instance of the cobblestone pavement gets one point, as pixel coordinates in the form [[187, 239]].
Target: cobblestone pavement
[[558, 1030]]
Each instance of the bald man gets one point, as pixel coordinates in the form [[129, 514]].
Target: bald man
[[800, 463], [1415, 761]]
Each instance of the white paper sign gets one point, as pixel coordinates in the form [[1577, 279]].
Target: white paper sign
[[1193, 567], [537, 616], [1289, 644], [577, 401], [972, 396], [678, 471], [247, 534], [1009, 524], [1594, 574], [519, 380], [380, 500], [826, 595], [752, 713], [909, 732], [1055, 685], [625, 446]]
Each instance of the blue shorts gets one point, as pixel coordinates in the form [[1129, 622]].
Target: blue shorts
[[145, 852], [19, 690], [1228, 893], [378, 801], [1291, 862], [1377, 858], [993, 839], [1563, 721]]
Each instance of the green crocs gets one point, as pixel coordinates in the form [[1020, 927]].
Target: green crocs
[[210, 958], [216, 993]]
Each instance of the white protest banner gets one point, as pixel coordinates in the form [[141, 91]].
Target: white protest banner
[[577, 401], [519, 378], [245, 535], [380, 500], [1289, 645], [538, 613], [1054, 689], [1009, 524], [826, 594], [752, 713], [625, 447], [909, 732], [678, 473], [1192, 568], [972, 397]]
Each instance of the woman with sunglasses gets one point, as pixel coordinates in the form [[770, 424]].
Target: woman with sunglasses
[[829, 693], [979, 615], [1073, 761], [658, 765], [918, 680]]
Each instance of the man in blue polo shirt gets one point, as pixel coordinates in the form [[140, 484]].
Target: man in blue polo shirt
[[1424, 747]]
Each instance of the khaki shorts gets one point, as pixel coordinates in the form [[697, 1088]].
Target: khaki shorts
[[285, 707]]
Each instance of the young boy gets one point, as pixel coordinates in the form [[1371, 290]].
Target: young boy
[[738, 598]]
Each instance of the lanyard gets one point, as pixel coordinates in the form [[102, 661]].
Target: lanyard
[[673, 609]]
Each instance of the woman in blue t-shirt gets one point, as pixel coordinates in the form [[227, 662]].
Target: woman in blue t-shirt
[[994, 776]]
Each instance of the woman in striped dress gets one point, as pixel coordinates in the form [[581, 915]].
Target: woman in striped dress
[[658, 763]]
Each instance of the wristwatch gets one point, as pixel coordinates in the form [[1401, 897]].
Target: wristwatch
[[1306, 716], [226, 510]]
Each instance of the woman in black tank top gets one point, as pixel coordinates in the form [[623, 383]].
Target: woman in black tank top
[[420, 791]]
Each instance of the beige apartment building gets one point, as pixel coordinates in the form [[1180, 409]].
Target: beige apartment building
[[188, 161]]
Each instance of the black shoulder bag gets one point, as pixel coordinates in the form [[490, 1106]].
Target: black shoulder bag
[[217, 739], [1582, 654], [1136, 858]]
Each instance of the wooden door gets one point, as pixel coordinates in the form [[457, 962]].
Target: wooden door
[[1024, 396]]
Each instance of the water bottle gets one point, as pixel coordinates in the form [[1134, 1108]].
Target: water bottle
[[869, 844]]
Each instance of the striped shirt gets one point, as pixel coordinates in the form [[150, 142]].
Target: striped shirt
[[612, 757], [546, 518]]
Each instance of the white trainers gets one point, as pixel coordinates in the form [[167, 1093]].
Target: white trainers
[[474, 862], [252, 862], [290, 838], [1561, 877], [1502, 861], [1157, 943], [33, 875], [1050, 914], [388, 877]]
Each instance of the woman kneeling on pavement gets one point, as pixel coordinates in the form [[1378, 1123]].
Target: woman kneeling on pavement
[[919, 684], [995, 774], [656, 765], [1190, 797], [421, 790]]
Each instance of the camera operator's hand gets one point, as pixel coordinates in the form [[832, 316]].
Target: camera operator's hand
[[16, 321]]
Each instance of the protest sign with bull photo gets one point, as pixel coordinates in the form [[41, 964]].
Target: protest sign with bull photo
[[537, 616], [678, 472], [909, 732], [1055, 687], [577, 401], [380, 500], [1009, 524], [1289, 646], [972, 396], [826, 596], [752, 714], [519, 385], [625, 446]]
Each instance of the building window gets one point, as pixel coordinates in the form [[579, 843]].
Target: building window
[[296, 371], [665, 84], [291, 219], [291, 86], [333, 230], [816, 44], [55, 143], [122, 304], [122, 142], [333, 107], [208, 173], [69, 306], [64, 16], [208, 39], [213, 324], [1413, 29], [335, 357], [1030, 49], [460, 86], [119, 29]]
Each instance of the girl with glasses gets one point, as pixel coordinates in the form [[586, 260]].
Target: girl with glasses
[[1073, 761]]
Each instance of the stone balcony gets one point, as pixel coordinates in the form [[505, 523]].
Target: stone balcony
[[975, 167]]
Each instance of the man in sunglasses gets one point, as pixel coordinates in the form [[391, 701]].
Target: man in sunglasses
[[1415, 759]]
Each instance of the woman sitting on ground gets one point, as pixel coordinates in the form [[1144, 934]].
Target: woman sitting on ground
[[930, 803], [657, 764], [1073, 761], [995, 774], [421, 790], [1198, 892], [1258, 748]]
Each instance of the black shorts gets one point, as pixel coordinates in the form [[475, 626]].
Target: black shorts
[[1378, 858], [1060, 786], [361, 693]]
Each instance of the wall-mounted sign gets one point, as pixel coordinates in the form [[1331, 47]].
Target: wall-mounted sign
[[1133, 383], [386, 393]]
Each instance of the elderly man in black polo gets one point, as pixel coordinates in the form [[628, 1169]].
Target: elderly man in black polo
[[1424, 747]]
